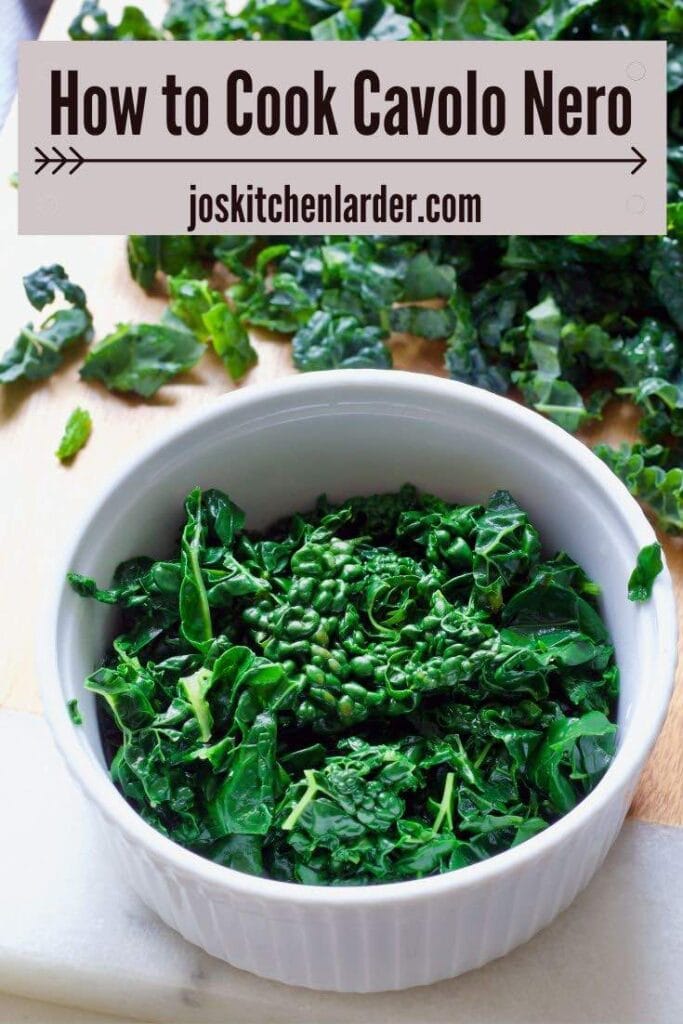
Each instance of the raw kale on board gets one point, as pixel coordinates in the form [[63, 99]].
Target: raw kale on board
[[76, 433], [548, 316], [39, 351], [390, 688], [92, 22], [654, 475], [171, 254], [206, 313], [142, 357]]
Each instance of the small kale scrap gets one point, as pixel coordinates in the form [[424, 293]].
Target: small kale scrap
[[39, 351], [648, 567], [74, 712], [76, 433], [390, 688]]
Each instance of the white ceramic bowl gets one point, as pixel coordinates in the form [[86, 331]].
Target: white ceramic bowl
[[274, 449]]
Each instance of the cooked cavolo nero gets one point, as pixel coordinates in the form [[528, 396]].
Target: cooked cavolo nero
[[386, 689]]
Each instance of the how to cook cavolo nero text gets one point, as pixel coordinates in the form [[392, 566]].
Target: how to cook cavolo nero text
[[387, 689]]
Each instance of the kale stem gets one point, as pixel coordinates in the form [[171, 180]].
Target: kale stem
[[445, 812], [482, 756], [300, 807], [39, 343], [205, 611], [194, 687]]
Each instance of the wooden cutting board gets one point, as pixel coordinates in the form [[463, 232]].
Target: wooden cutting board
[[40, 500]]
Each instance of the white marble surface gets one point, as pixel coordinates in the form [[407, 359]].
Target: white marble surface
[[16, 1010], [72, 932]]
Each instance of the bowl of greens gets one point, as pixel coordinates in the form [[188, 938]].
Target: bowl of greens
[[358, 672]]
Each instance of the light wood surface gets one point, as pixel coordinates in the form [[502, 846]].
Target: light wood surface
[[41, 499]]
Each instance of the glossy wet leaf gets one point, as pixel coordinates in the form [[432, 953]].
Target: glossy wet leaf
[[648, 567]]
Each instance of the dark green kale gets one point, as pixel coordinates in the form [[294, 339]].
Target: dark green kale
[[390, 688], [330, 342], [207, 315], [546, 315], [541, 380], [92, 22], [39, 351], [76, 433], [654, 475], [423, 321], [230, 340], [149, 255], [648, 567], [142, 357]]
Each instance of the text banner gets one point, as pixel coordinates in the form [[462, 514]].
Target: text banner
[[308, 138]]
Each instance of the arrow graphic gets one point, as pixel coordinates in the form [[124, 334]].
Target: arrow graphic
[[74, 162], [58, 161], [641, 160]]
